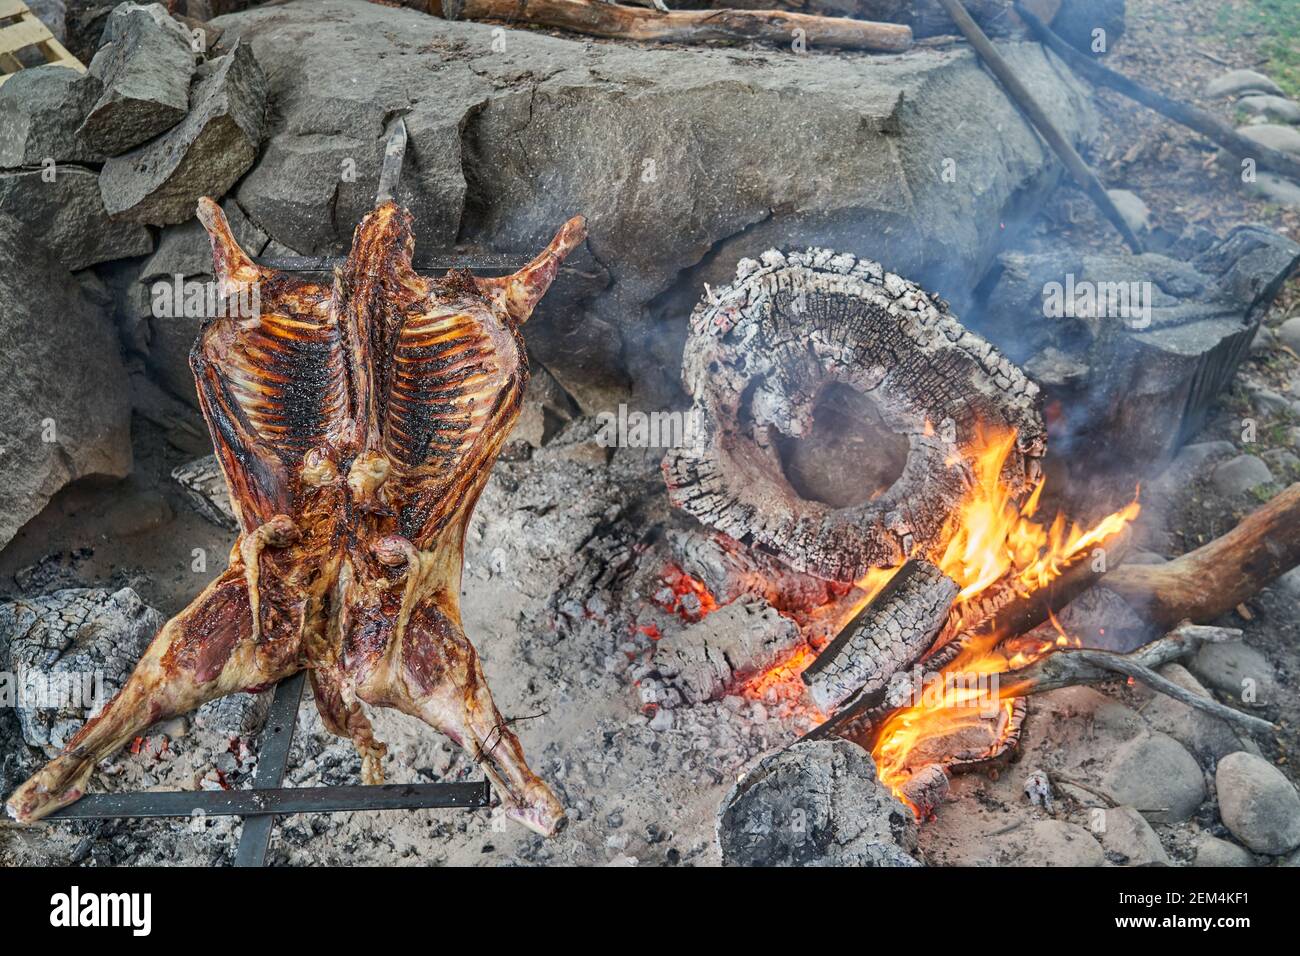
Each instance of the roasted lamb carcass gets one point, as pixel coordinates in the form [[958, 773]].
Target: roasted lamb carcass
[[355, 422]]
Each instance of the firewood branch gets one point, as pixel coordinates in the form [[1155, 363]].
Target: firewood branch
[[1071, 667], [1212, 580], [615, 21]]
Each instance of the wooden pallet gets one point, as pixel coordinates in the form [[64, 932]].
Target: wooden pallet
[[20, 30]]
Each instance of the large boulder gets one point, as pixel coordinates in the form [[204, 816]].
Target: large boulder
[[63, 208], [63, 387], [204, 155], [41, 111], [683, 160], [145, 67]]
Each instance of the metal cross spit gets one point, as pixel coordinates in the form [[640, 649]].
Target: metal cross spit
[[266, 800]]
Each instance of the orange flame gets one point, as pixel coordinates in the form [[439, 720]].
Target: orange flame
[[993, 538]]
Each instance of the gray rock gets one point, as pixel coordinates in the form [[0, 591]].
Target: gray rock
[[68, 216], [1275, 189], [1269, 402], [1131, 208], [1289, 583], [51, 13], [1289, 333], [1054, 843], [1126, 833], [1211, 851], [145, 67], [1236, 670], [1283, 138], [184, 251], [1206, 736], [1235, 82], [1241, 475], [858, 153], [160, 182], [1155, 773], [63, 387], [72, 650], [1263, 341], [816, 803], [1271, 107], [40, 112], [1258, 804]]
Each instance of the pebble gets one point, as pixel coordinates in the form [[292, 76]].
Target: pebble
[[1288, 333], [1241, 81], [662, 720], [1275, 189], [1258, 804], [1211, 851], [1280, 460], [1237, 671], [1272, 107], [1125, 832], [1206, 736], [1135, 212], [1240, 475], [1155, 773]]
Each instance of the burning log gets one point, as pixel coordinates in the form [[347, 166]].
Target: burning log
[[888, 635], [1215, 578], [619, 22], [763, 359]]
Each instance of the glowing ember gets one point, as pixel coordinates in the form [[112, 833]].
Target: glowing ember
[[781, 682], [684, 595]]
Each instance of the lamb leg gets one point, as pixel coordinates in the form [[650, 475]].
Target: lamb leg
[[206, 651], [442, 683]]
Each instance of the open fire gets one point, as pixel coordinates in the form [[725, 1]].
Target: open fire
[[992, 539]]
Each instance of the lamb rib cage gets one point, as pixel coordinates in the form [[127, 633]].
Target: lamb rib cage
[[355, 423]]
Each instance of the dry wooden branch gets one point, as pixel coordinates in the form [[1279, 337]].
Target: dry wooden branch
[[1199, 120], [1082, 174], [1212, 580], [683, 26], [1071, 667]]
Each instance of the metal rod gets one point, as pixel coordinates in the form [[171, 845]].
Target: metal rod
[[272, 760], [391, 171], [502, 263], [262, 805]]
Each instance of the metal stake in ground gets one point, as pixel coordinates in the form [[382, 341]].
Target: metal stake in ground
[[1082, 174]]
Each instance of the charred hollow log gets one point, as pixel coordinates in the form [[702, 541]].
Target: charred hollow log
[[795, 332]]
